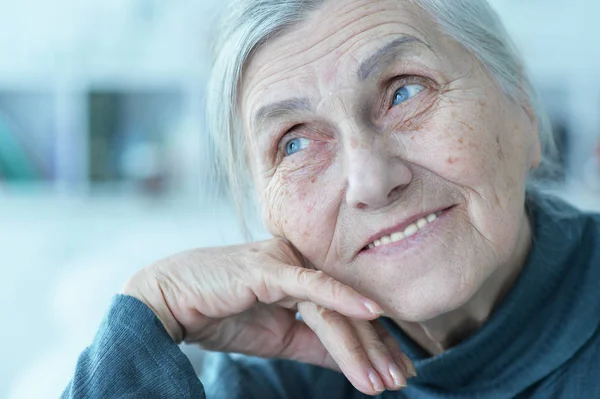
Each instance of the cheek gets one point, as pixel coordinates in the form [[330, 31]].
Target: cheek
[[465, 146], [487, 153], [302, 206], [465, 158], [459, 153], [482, 150]]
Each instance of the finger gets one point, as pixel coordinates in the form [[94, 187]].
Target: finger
[[339, 338], [288, 285], [391, 373], [398, 355], [303, 345]]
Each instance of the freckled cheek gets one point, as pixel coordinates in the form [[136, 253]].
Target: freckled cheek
[[461, 154], [307, 221], [309, 211]]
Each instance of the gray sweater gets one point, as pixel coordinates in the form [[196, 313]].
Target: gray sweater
[[542, 342]]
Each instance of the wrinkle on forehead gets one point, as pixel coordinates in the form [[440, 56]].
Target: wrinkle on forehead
[[338, 37]]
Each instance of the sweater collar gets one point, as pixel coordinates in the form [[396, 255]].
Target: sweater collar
[[534, 329]]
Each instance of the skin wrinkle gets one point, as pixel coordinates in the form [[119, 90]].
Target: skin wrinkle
[[316, 45], [412, 123], [367, 168], [280, 109], [355, 20], [260, 127], [266, 68], [393, 48]]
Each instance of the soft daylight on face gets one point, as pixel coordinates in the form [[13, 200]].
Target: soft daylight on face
[[363, 147]]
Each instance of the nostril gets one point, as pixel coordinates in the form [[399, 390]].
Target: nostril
[[361, 205], [395, 193]]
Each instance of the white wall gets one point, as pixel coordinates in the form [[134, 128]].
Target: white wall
[[560, 40], [68, 46]]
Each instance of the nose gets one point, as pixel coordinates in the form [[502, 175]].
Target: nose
[[375, 175]]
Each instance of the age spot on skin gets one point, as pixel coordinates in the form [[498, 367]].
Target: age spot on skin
[[499, 153], [451, 160], [466, 125]]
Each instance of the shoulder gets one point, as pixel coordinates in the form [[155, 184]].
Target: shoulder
[[236, 376], [566, 241], [555, 219], [551, 207], [578, 378]]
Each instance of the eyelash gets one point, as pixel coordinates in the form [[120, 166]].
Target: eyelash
[[398, 82], [286, 137]]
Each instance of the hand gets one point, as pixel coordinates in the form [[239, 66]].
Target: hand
[[244, 299]]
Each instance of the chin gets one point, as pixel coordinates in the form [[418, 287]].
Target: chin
[[429, 300]]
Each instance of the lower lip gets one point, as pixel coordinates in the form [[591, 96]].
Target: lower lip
[[414, 240]]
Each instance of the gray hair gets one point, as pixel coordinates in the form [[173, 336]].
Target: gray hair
[[250, 23]]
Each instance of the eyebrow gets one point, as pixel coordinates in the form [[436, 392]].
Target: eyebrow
[[385, 54], [281, 108], [297, 104]]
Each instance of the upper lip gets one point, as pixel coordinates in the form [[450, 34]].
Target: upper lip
[[402, 225]]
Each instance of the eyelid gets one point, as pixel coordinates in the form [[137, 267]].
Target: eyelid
[[398, 82], [286, 137], [289, 132]]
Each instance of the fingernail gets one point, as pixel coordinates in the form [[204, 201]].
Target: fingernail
[[397, 376], [410, 367], [372, 307], [376, 381]]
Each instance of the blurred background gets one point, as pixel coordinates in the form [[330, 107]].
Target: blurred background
[[104, 168]]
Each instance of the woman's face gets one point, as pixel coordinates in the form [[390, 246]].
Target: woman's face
[[384, 153]]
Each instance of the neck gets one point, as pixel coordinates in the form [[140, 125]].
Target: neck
[[447, 330]]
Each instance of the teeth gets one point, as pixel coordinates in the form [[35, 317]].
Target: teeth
[[397, 237], [408, 231], [432, 217]]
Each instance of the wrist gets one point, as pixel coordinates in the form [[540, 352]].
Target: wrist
[[151, 294]]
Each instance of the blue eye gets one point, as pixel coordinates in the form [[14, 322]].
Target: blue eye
[[405, 93], [295, 145]]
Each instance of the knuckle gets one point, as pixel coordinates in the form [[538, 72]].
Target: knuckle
[[264, 290], [355, 349], [330, 317], [376, 346], [337, 289], [306, 277], [325, 314]]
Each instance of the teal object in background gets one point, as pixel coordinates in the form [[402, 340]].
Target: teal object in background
[[15, 162]]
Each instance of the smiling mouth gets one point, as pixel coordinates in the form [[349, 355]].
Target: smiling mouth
[[408, 231]]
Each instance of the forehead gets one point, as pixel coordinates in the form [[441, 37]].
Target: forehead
[[325, 50]]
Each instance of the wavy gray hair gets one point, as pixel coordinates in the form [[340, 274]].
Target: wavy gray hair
[[248, 24]]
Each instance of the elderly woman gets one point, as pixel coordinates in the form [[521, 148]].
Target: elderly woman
[[389, 144]]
